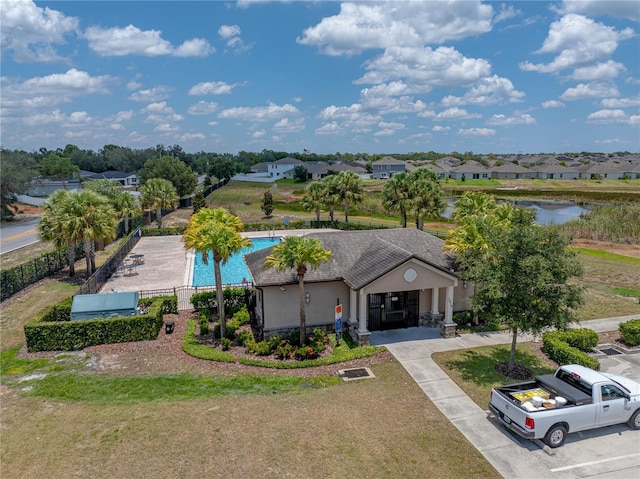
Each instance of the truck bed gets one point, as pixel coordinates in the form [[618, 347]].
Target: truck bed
[[559, 388]]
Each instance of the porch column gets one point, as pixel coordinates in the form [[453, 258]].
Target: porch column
[[353, 306], [448, 327], [448, 310], [363, 312], [434, 300]]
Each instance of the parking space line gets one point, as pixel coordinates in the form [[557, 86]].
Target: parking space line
[[591, 463]]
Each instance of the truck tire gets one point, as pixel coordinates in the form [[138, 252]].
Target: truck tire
[[634, 420], [555, 436]]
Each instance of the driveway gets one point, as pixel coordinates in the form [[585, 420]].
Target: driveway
[[610, 452]]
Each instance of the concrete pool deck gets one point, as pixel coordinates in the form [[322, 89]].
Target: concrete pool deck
[[167, 264]]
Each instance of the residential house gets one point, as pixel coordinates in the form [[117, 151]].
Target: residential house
[[511, 171], [384, 279], [278, 168], [386, 167], [125, 179], [556, 172], [470, 170], [441, 173], [261, 167]]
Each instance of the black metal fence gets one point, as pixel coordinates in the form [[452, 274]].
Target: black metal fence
[[104, 272], [48, 264]]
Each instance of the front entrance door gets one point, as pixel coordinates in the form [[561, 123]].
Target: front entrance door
[[393, 310]]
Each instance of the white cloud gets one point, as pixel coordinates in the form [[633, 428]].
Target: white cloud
[[553, 104], [151, 95], [506, 12], [228, 31], [212, 88], [331, 128], [258, 134], [56, 117], [424, 67], [202, 108], [615, 8], [476, 132], [379, 98], [30, 32], [456, 114], [160, 113], [487, 91], [608, 117], [503, 120], [621, 102], [231, 35], [133, 85], [590, 90], [363, 26], [166, 128], [260, 113], [192, 136], [289, 126], [439, 128], [131, 40], [121, 116], [580, 42], [599, 71]]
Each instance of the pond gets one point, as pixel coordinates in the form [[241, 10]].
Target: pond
[[546, 211]]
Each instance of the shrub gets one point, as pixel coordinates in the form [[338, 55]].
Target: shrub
[[231, 328], [243, 337], [261, 349], [568, 347], [305, 352], [462, 317], [235, 299], [630, 332], [203, 321], [294, 338], [242, 316], [286, 351], [226, 344], [274, 342]]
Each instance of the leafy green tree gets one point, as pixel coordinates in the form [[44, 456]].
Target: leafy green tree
[[18, 168], [158, 194], [176, 171], [348, 190], [523, 277], [199, 201], [314, 198], [58, 167], [396, 195], [218, 231], [301, 254], [331, 199], [267, 203], [300, 173], [222, 168], [426, 195]]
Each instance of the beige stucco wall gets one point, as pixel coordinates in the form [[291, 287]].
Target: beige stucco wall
[[282, 308], [427, 277]]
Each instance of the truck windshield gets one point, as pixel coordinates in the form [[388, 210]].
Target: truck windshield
[[575, 382]]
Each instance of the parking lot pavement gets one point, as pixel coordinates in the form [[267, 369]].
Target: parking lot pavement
[[609, 452]]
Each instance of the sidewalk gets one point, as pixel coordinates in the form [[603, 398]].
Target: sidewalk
[[413, 348]]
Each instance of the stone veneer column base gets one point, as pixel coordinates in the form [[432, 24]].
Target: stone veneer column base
[[447, 330], [433, 319]]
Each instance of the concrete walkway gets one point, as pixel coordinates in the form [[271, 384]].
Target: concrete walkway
[[413, 348]]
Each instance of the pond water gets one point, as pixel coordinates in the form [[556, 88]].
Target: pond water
[[546, 212], [234, 270]]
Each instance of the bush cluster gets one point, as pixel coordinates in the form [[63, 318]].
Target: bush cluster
[[630, 332], [172, 231], [49, 331], [571, 347], [290, 347], [235, 299]]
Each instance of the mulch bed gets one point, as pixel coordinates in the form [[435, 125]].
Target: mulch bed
[[165, 356]]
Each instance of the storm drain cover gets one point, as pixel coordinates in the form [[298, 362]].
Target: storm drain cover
[[355, 373], [609, 351]]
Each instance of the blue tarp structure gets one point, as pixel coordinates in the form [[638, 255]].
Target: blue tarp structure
[[109, 305]]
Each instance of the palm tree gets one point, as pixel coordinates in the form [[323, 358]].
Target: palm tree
[[299, 253], [217, 231], [330, 187], [93, 219], [53, 222], [426, 195], [123, 203], [126, 205], [396, 195], [473, 202], [158, 194], [314, 198], [349, 190]]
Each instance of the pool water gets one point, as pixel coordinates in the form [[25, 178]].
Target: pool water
[[234, 270]]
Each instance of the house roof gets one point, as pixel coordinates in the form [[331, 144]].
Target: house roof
[[111, 175], [510, 168], [358, 257], [287, 161], [471, 166], [388, 160]]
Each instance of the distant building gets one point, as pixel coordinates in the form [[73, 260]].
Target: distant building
[[386, 167], [125, 179], [278, 168]]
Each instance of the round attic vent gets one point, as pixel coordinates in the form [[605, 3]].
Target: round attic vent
[[410, 275]]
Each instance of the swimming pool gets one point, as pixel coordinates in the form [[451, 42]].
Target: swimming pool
[[234, 270]]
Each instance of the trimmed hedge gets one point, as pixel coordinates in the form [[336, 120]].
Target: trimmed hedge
[[171, 231], [49, 331], [630, 332], [235, 299], [193, 347], [571, 347]]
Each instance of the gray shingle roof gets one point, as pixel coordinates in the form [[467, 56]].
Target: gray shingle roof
[[358, 257]]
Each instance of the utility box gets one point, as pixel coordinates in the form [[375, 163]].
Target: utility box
[[109, 305]]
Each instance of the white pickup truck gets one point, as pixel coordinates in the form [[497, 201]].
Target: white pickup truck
[[573, 399]]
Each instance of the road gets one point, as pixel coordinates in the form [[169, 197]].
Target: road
[[17, 234]]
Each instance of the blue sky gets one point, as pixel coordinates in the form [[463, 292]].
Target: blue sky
[[328, 77]]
